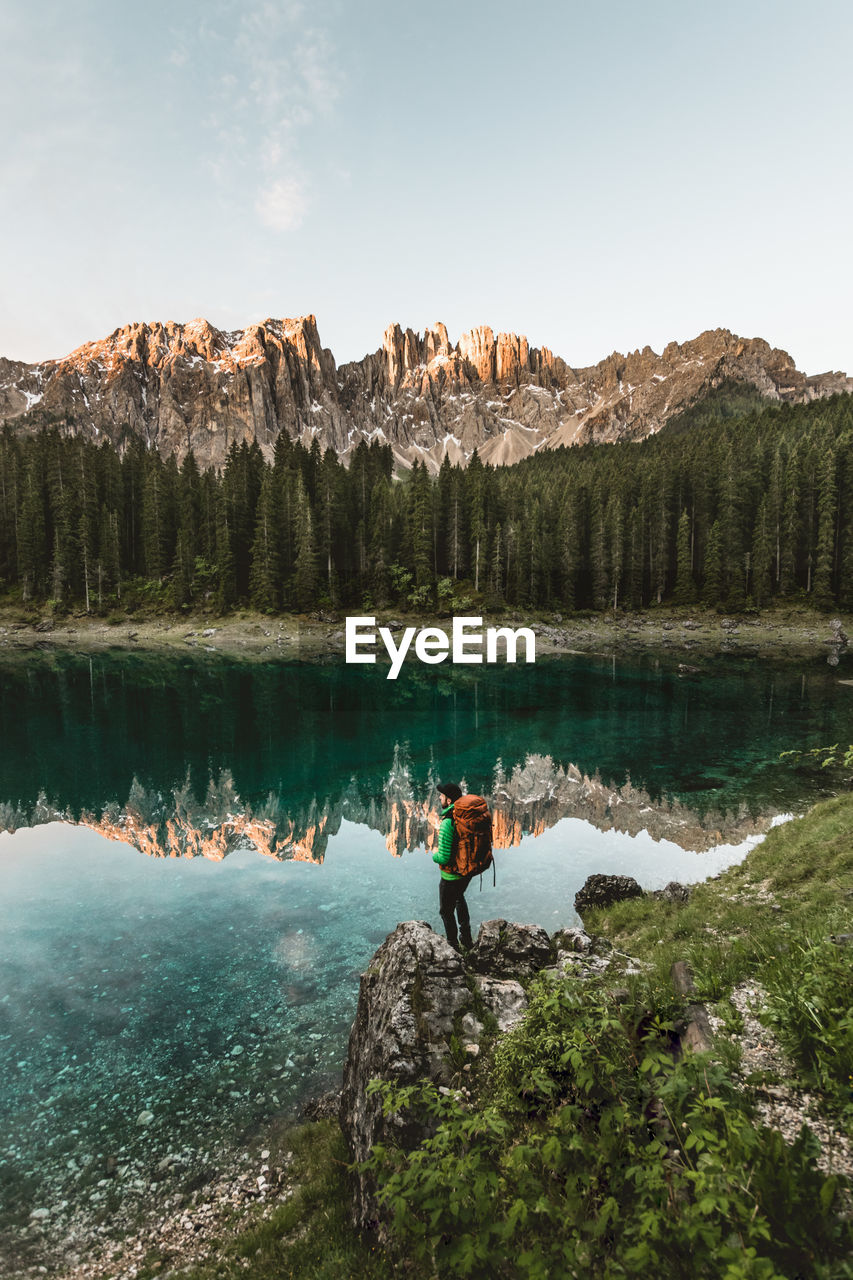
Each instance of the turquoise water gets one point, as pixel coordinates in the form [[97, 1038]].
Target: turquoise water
[[216, 991]]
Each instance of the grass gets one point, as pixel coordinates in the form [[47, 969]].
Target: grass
[[797, 885]]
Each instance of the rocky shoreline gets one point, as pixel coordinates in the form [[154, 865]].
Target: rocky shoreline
[[251, 636]]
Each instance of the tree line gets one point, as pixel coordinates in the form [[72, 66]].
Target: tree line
[[728, 513]]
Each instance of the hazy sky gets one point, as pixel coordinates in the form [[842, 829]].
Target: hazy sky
[[598, 176]]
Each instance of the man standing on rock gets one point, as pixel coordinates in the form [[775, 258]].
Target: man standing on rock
[[464, 850]]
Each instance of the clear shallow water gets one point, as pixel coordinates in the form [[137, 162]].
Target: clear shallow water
[[217, 991]]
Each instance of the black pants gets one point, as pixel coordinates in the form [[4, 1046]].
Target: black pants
[[451, 903]]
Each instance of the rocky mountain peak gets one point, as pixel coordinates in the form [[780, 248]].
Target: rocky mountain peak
[[189, 385]]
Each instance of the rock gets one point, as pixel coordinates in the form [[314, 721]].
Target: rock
[[321, 1108], [408, 999], [505, 999], [576, 940], [601, 891], [414, 996], [144, 1118], [682, 977], [672, 892], [182, 386], [510, 950]]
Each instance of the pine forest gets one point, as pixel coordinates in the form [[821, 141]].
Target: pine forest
[[716, 510]]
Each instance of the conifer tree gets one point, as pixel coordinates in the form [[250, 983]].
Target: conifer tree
[[615, 526], [685, 587], [712, 586], [305, 564], [109, 554], [265, 576], [598, 558], [762, 554], [568, 558], [790, 538], [87, 529], [496, 570], [226, 573], [827, 514], [329, 521], [32, 553], [380, 535], [476, 486], [421, 524], [155, 519]]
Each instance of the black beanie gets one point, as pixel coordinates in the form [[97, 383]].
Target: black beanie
[[450, 790]]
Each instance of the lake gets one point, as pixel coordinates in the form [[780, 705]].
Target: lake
[[199, 856]]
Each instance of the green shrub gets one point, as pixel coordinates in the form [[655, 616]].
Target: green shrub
[[596, 1155]]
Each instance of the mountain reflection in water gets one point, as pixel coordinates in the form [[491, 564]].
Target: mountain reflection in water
[[534, 796], [182, 757]]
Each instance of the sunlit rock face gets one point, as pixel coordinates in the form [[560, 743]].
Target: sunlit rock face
[[530, 799], [192, 386]]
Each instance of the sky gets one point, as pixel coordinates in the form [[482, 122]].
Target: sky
[[598, 176]]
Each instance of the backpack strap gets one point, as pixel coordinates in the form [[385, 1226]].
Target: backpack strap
[[494, 874]]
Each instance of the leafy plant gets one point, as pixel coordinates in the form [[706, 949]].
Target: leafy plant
[[826, 757], [810, 1005], [595, 1154]]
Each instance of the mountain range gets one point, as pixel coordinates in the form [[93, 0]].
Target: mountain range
[[192, 386]]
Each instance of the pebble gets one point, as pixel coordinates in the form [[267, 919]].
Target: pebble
[[145, 1117]]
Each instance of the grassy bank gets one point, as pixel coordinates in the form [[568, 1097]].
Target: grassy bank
[[592, 1149]]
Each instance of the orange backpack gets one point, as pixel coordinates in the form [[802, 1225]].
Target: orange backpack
[[472, 836]]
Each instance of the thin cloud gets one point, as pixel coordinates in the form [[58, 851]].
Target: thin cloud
[[282, 205], [278, 76]]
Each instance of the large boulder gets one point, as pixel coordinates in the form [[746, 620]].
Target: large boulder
[[509, 950], [601, 891], [414, 996]]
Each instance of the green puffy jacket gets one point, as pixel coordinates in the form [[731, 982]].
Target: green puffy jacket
[[445, 845]]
